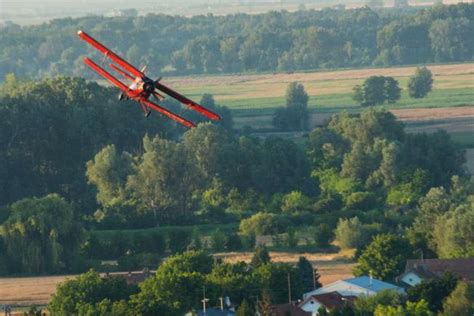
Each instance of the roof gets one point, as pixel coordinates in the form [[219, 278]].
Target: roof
[[330, 300], [356, 287], [285, 309], [430, 268], [371, 284], [132, 277]]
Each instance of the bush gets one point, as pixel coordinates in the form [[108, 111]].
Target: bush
[[234, 242], [218, 240], [260, 224], [349, 233]]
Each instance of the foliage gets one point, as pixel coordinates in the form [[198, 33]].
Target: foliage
[[366, 305], [412, 309], [384, 258], [309, 275], [376, 90], [434, 291], [349, 233], [283, 41], [322, 236], [88, 288], [295, 115], [421, 83], [260, 224], [460, 301], [260, 257], [42, 235]]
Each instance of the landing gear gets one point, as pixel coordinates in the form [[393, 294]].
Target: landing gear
[[147, 114], [121, 96]]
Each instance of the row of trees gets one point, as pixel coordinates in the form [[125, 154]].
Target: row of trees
[[380, 89], [272, 41]]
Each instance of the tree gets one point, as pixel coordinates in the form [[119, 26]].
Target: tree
[[88, 289], [384, 258], [366, 305], [244, 309], [108, 171], [376, 90], [349, 233], [295, 202], [434, 291], [309, 275], [421, 83], [453, 234], [460, 301], [42, 235], [295, 115], [419, 308], [173, 289], [261, 256], [260, 224], [322, 236]]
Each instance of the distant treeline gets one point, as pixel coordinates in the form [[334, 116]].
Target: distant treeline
[[275, 41]]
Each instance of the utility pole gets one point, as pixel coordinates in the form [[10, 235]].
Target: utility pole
[[222, 303], [204, 300], [289, 289], [314, 280]]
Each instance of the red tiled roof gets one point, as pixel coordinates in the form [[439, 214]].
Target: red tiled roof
[[429, 268], [331, 300]]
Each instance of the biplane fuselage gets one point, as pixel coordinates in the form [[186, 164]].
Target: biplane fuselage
[[141, 87]]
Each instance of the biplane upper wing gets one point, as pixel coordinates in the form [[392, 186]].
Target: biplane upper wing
[[189, 103], [106, 75], [107, 52], [169, 114]]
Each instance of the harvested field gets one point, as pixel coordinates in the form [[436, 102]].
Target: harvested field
[[331, 267], [243, 91], [38, 290], [29, 290]]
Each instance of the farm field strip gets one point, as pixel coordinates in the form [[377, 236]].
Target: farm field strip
[[244, 91]]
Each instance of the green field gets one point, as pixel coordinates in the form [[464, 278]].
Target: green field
[[253, 98]]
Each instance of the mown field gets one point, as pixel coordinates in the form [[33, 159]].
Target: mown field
[[253, 98]]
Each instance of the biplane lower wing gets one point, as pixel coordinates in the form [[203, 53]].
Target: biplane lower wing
[[110, 54], [106, 75], [167, 113], [189, 103]]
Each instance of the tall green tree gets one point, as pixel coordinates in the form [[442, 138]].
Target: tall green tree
[[384, 258], [42, 235], [420, 83]]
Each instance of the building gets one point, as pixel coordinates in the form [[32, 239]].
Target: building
[[426, 269], [328, 301], [363, 285]]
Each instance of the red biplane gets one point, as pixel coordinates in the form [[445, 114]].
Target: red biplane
[[141, 87]]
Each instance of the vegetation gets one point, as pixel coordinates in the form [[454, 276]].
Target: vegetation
[[272, 41], [295, 115], [377, 90], [421, 83]]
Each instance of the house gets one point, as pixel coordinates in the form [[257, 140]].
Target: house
[[328, 301], [287, 309], [363, 285], [427, 269], [131, 277]]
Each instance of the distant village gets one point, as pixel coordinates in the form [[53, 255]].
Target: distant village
[[339, 293]]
